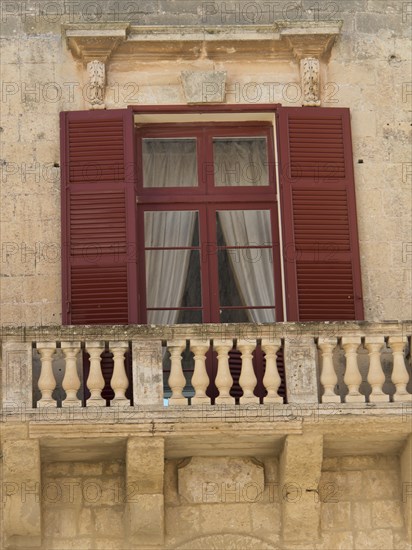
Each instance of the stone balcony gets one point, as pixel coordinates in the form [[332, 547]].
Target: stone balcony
[[328, 394], [344, 367]]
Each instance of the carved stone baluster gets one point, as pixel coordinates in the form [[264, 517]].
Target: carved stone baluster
[[95, 380], [200, 379], [47, 382], [328, 377], [247, 378], [376, 376], [71, 380], [119, 381], [400, 376], [352, 378], [224, 380], [177, 380], [271, 379]]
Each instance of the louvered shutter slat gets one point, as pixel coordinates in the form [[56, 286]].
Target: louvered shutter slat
[[98, 218], [321, 254]]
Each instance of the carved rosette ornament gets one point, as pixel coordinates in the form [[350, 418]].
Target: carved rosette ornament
[[310, 73], [96, 71]]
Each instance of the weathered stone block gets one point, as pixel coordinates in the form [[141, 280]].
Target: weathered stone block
[[56, 469], [109, 521], [221, 479], [21, 493], [60, 521], [17, 374], [97, 491], [87, 469], [342, 485], [300, 471], [73, 543], [145, 464], [170, 483], [406, 476], [301, 380], [374, 462], [180, 520], [340, 540], [113, 468], [266, 519], [86, 522], [234, 518], [362, 515], [336, 516], [144, 519], [204, 86], [378, 539], [378, 486], [387, 513], [147, 373]]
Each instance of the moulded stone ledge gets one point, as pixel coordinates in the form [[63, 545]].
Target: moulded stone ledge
[[285, 39]]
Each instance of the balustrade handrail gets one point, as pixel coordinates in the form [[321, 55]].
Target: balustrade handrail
[[67, 333]]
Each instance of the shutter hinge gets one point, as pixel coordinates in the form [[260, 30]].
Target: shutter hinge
[[67, 307]]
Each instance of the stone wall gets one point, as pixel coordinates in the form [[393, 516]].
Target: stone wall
[[227, 499], [83, 505], [61, 489], [362, 505], [369, 71]]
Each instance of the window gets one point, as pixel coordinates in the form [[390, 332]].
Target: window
[[185, 208], [208, 229]]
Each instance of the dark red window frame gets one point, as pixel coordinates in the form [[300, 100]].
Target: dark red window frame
[[207, 199]]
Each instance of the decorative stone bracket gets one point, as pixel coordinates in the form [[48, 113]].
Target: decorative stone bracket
[[309, 51], [94, 45]]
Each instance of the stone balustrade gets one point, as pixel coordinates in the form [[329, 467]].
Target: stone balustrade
[[390, 350], [341, 363]]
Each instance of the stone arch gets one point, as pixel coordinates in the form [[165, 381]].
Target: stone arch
[[226, 542]]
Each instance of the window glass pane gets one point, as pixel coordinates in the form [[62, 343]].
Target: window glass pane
[[167, 281], [244, 228], [170, 228], [169, 162], [240, 161], [250, 270], [247, 316]]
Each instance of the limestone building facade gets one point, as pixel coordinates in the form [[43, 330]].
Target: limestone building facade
[[206, 275]]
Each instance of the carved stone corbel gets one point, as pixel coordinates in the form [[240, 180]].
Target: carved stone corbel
[[310, 76], [96, 71], [93, 45]]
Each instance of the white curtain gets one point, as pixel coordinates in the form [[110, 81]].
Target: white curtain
[[253, 268], [171, 163], [240, 161], [168, 163], [166, 270]]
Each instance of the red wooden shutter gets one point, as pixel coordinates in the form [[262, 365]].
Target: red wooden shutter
[[98, 217], [317, 192]]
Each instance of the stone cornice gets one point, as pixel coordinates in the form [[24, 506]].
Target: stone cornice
[[286, 39], [94, 42]]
